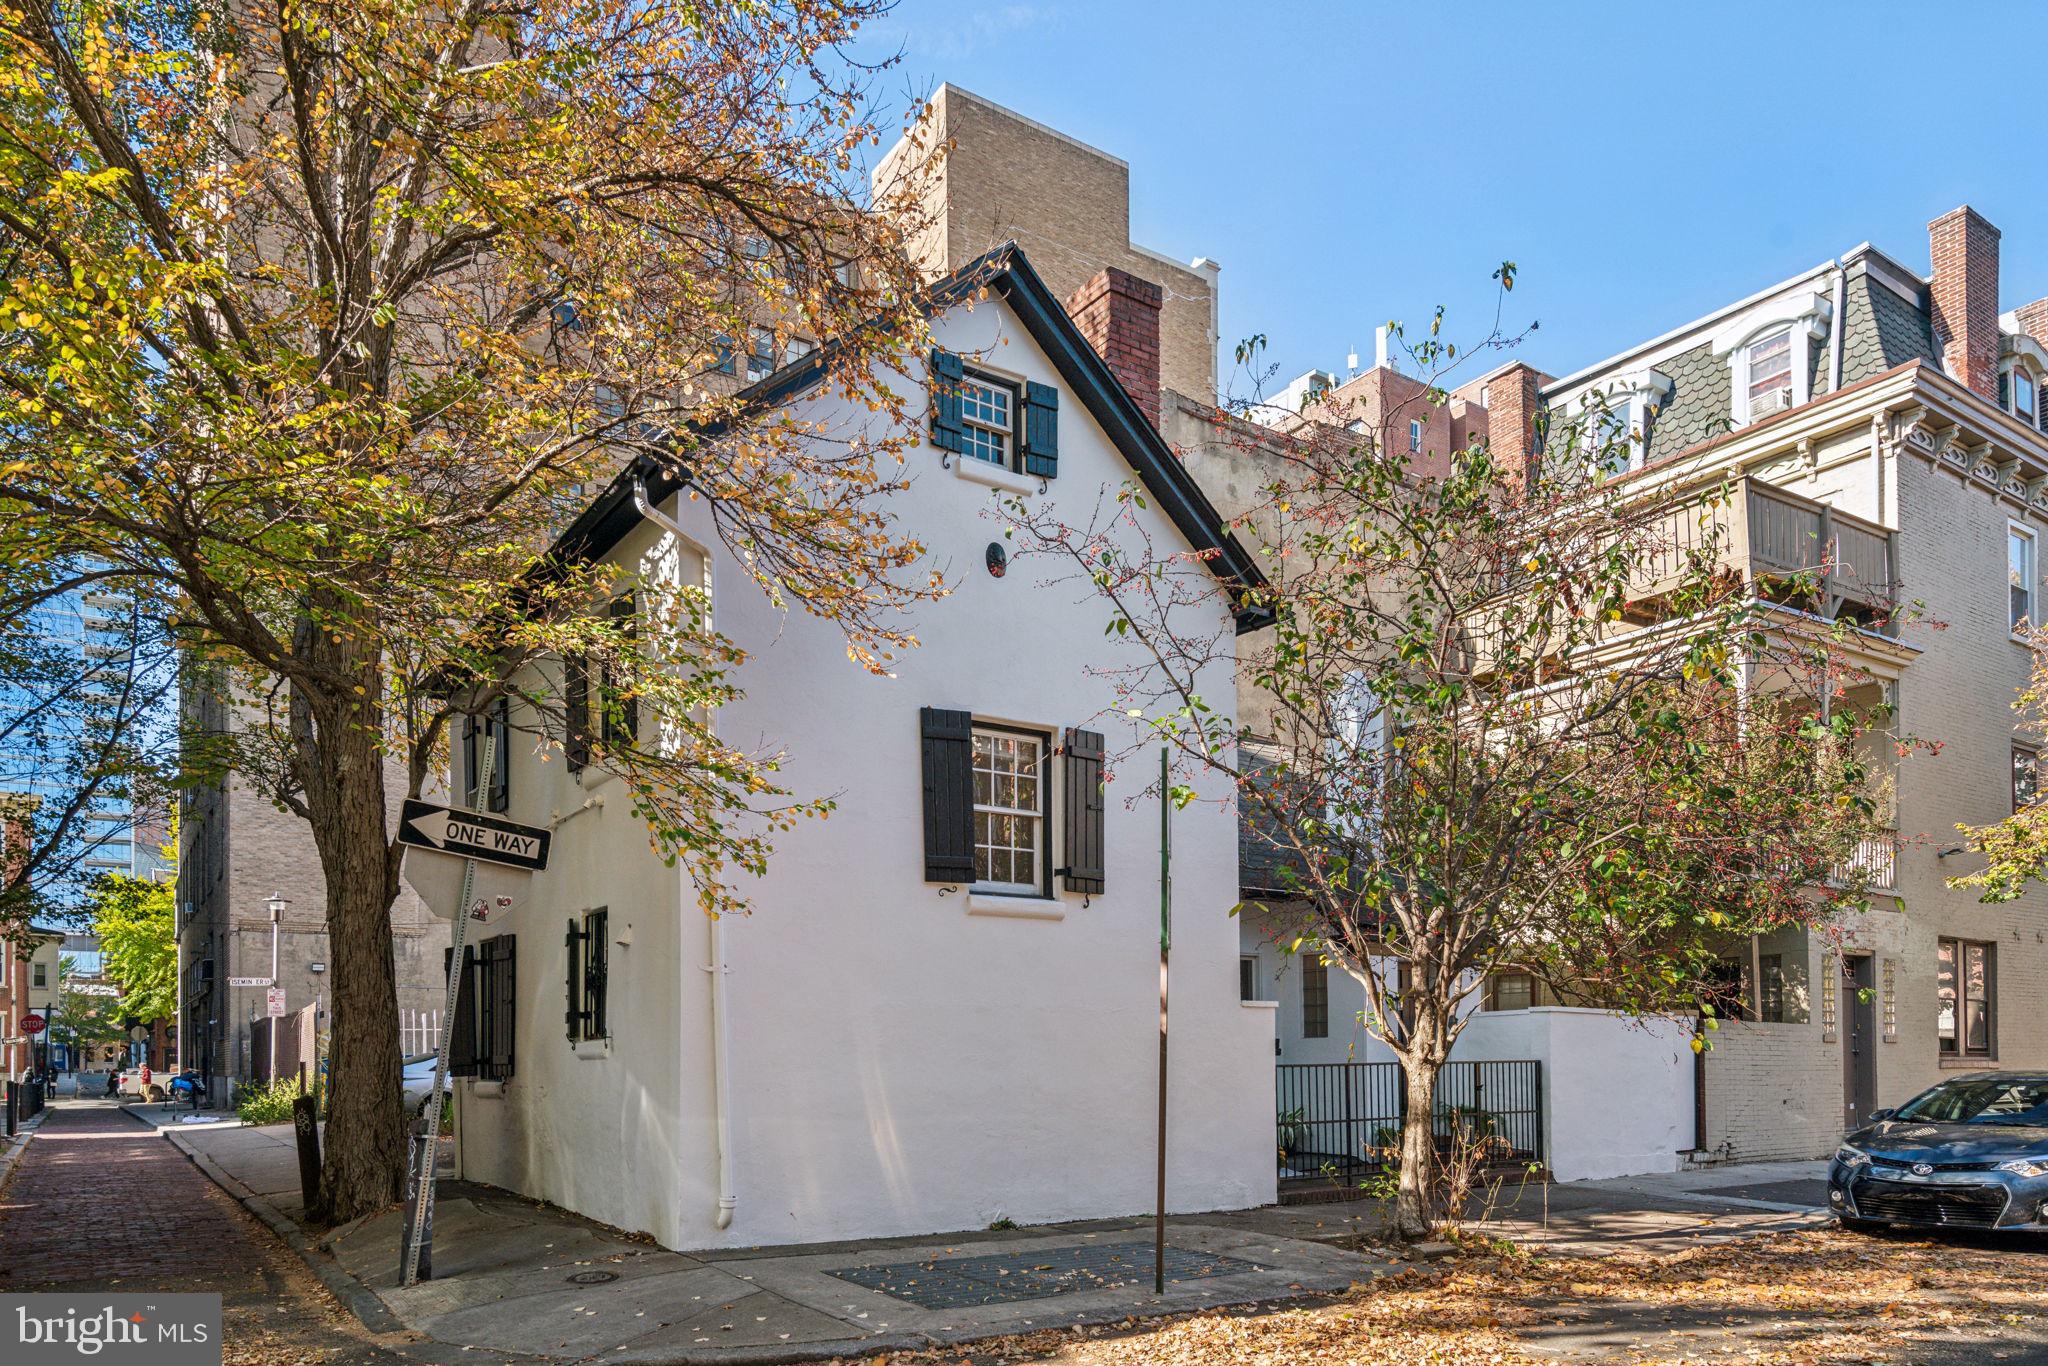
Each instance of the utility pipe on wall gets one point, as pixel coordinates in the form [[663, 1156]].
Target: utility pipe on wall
[[721, 1036], [1836, 328]]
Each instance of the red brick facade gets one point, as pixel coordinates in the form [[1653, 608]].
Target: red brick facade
[[1963, 294], [1119, 315]]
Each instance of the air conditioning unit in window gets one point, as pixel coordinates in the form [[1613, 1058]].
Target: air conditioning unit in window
[[1763, 405]]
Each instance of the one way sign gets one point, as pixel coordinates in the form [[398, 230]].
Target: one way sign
[[467, 835]]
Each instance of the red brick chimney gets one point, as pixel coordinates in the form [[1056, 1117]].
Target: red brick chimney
[[1119, 315], [1513, 404], [1963, 292]]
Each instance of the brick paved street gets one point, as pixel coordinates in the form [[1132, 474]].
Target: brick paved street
[[100, 1202]]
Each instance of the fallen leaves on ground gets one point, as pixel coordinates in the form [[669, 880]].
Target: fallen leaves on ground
[[1792, 1299]]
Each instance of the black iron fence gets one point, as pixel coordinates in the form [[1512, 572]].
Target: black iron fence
[[1344, 1118]]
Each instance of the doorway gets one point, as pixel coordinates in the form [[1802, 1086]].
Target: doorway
[[1859, 1039]]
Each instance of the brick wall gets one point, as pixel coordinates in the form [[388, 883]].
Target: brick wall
[[1069, 206]]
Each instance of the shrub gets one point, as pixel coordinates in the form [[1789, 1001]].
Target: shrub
[[269, 1103]]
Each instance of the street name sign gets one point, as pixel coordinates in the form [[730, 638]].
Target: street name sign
[[465, 834], [248, 981]]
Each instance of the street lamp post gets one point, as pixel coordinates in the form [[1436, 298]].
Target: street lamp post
[[275, 904]]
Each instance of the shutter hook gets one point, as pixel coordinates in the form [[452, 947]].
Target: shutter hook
[[1087, 900], [1041, 485], [945, 460]]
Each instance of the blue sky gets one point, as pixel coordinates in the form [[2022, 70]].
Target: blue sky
[[1643, 164]]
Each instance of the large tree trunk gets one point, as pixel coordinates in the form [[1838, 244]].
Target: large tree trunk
[[1421, 1061], [341, 767]]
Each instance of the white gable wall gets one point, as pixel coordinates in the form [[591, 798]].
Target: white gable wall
[[901, 1060]]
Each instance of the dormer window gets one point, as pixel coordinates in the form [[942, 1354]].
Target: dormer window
[[1770, 373], [1613, 420], [1769, 349], [2023, 396]]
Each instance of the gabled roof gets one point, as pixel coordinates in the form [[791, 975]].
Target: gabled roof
[[1004, 272]]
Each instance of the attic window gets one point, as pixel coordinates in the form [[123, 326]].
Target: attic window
[[988, 410], [1769, 360]]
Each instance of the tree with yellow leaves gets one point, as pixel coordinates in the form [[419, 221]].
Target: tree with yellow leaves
[[317, 321]]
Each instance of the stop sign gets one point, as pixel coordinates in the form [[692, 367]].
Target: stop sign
[[32, 1023]]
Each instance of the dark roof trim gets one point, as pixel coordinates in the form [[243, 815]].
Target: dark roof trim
[[1006, 272]]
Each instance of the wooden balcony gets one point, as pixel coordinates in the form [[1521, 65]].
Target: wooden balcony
[[1788, 549]]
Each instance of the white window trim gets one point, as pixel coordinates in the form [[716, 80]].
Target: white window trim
[[1806, 312], [1013, 389], [2033, 575], [2029, 356], [1636, 396], [1039, 889], [1414, 436]]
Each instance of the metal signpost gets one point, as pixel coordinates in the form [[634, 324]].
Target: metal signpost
[[472, 837], [1165, 945]]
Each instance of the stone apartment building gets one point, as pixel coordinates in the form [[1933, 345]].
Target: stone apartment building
[[237, 851]]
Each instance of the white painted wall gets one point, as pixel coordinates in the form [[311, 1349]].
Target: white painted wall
[[903, 1060]]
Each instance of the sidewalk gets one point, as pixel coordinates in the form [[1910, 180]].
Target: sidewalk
[[522, 1278]]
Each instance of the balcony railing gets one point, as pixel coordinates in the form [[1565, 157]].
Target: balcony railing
[[1875, 863], [1788, 548]]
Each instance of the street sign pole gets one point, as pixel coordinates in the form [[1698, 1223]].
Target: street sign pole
[[421, 1228]]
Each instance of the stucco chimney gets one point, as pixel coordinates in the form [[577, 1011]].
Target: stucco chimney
[[1963, 293], [1119, 315]]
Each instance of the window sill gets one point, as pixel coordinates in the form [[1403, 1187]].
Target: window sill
[[1015, 907], [1260, 1005], [996, 477], [1970, 1064], [487, 1090], [594, 1048]]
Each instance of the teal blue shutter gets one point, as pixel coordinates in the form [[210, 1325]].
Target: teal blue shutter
[[949, 433], [1041, 429]]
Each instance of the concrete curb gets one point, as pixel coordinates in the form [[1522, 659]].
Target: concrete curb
[[12, 1149], [361, 1301]]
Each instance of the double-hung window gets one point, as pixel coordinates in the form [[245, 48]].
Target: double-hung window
[[1414, 436], [988, 411], [1248, 977], [2023, 395], [1770, 373], [2019, 573], [2026, 778], [1010, 792], [1965, 988]]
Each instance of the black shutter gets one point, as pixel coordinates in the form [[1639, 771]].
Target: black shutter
[[462, 1051], [621, 713], [1082, 780], [948, 795], [500, 732], [576, 703], [470, 749], [949, 433], [1041, 429], [573, 1016], [501, 958]]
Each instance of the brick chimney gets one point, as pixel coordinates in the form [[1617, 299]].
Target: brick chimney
[[1119, 315], [1963, 292], [2033, 320], [1513, 405]]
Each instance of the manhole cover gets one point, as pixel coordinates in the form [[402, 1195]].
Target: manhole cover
[[593, 1277]]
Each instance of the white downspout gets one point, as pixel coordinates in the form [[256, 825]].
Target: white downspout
[[1837, 328], [721, 1035]]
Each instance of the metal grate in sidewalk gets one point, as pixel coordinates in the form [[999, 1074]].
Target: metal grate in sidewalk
[[1033, 1274]]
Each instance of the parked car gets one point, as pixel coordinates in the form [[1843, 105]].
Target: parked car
[[417, 1082], [1969, 1153]]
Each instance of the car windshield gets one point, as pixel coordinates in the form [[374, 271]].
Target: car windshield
[[1990, 1100]]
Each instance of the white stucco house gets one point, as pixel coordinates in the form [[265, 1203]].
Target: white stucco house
[[942, 1008]]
